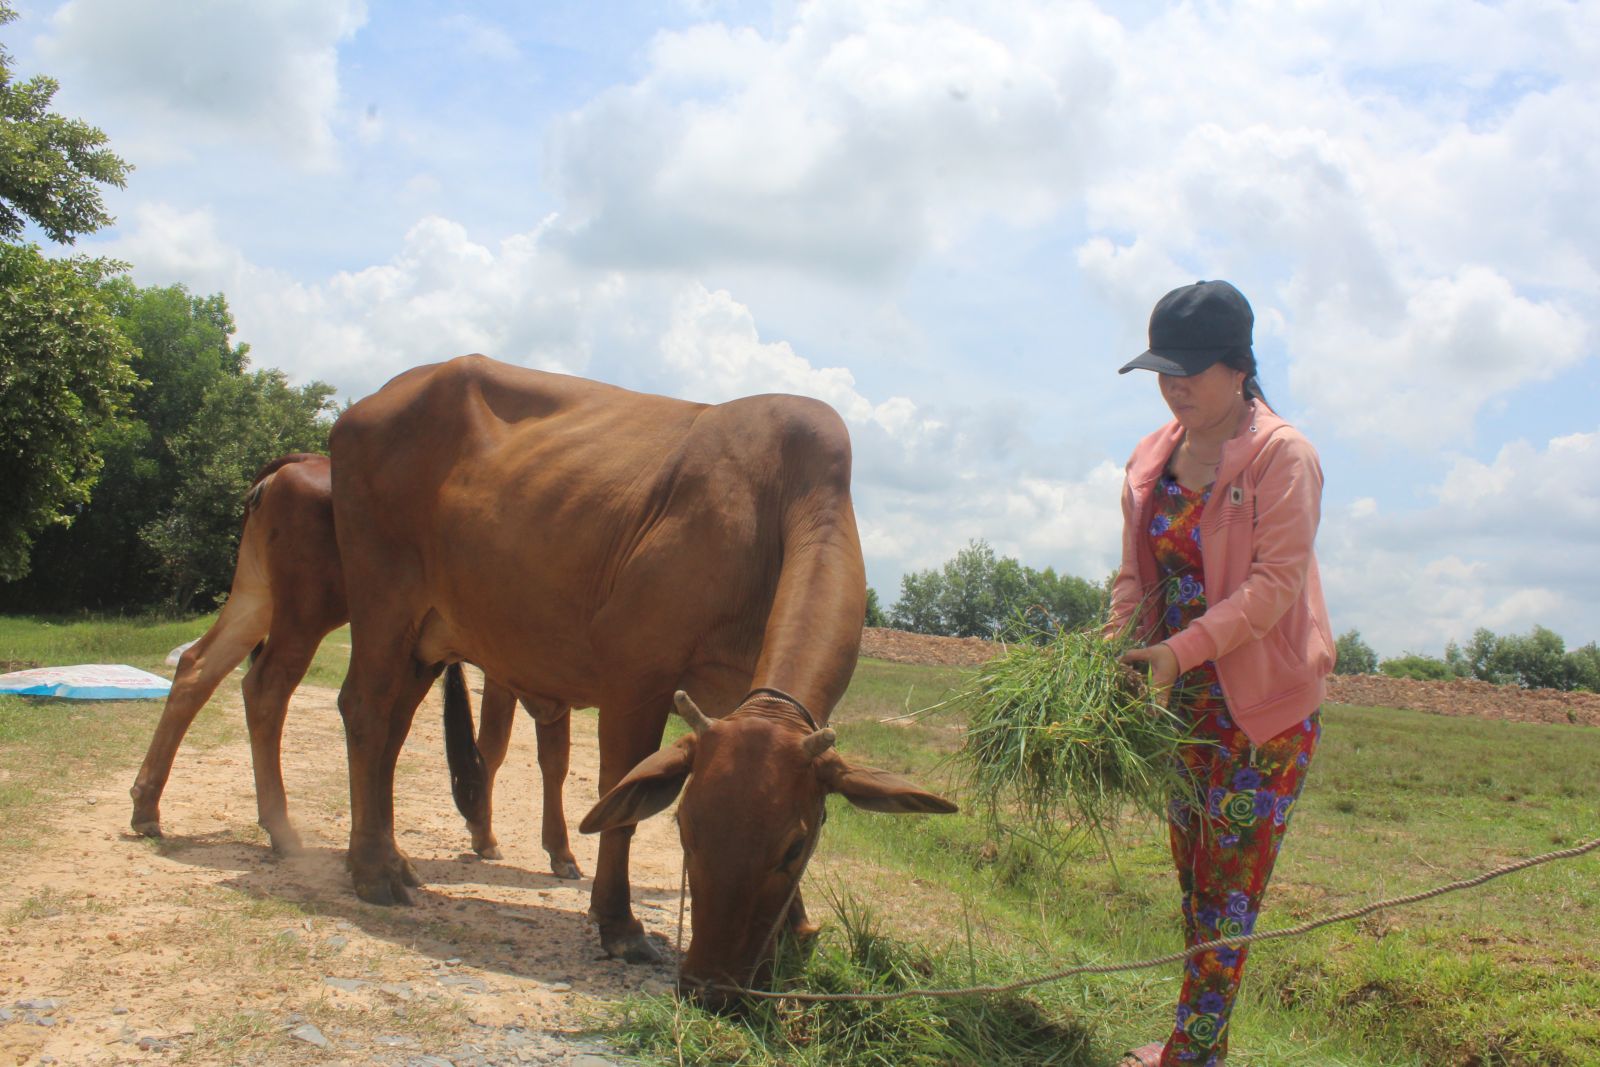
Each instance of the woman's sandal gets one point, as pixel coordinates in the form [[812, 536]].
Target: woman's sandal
[[1143, 1056]]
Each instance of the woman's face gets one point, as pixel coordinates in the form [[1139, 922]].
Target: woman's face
[[1208, 401]]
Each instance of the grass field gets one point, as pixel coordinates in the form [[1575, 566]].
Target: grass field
[[1396, 802]]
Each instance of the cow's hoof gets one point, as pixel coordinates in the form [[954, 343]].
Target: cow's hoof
[[383, 891], [286, 842], [386, 882], [484, 843], [565, 868], [146, 825], [631, 948]]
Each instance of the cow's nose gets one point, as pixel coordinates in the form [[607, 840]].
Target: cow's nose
[[709, 997]]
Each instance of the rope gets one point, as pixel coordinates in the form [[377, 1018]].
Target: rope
[[683, 895], [1173, 957]]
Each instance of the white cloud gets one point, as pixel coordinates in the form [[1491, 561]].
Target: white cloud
[[212, 71], [441, 295], [1502, 547], [483, 39], [926, 480], [1405, 192], [1399, 191], [853, 143], [1421, 375]]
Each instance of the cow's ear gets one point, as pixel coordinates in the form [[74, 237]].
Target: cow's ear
[[874, 790], [645, 790]]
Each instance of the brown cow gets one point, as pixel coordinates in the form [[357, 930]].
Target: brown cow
[[595, 546], [288, 593]]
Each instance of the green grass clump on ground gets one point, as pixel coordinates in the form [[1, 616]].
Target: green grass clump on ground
[[854, 956]]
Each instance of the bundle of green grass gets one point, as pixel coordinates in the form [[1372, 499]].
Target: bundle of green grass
[[1065, 738]]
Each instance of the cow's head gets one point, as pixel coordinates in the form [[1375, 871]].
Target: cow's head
[[757, 782]]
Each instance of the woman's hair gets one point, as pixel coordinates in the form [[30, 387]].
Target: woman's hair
[[1244, 359]]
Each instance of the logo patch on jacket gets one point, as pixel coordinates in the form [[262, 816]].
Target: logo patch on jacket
[[1236, 494]]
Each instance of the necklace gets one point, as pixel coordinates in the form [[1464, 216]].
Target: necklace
[[1189, 448]]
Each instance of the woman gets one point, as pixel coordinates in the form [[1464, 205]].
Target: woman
[[1219, 585]]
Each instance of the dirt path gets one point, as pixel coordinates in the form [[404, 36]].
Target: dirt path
[[205, 949]]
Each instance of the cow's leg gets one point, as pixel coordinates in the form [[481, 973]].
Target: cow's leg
[[267, 686], [496, 710], [239, 628], [554, 729], [629, 732], [378, 701]]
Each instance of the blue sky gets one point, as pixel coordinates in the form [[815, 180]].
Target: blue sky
[[948, 220]]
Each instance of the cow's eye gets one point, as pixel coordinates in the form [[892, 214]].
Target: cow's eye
[[796, 850]]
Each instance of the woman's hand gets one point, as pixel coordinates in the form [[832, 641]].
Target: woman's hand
[[1163, 663]]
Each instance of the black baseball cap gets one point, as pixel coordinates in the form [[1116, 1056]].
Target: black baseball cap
[[1194, 326]]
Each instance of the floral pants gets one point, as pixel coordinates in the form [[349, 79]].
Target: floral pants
[[1224, 857]]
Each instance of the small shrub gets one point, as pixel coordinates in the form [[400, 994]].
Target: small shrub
[[1417, 667]]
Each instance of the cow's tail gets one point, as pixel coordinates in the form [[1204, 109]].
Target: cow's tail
[[467, 776]]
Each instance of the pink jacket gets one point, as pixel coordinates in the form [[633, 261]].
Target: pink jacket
[[1265, 624]]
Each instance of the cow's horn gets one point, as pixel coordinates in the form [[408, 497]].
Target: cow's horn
[[691, 713], [818, 743]]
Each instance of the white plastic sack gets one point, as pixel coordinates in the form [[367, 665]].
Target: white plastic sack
[[87, 681]]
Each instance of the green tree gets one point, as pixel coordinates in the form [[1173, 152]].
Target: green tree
[[1583, 667], [875, 615], [917, 609], [1072, 602], [64, 370], [974, 589], [64, 378], [979, 594], [51, 167], [1354, 655], [1536, 660], [182, 345], [1480, 654], [244, 420]]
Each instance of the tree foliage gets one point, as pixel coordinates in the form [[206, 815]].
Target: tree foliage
[[162, 524], [875, 615], [64, 378], [1416, 666], [51, 167], [979, 594], [64, 370], [243, 421], [1538, 659], [1354, 656], [181, 345]]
